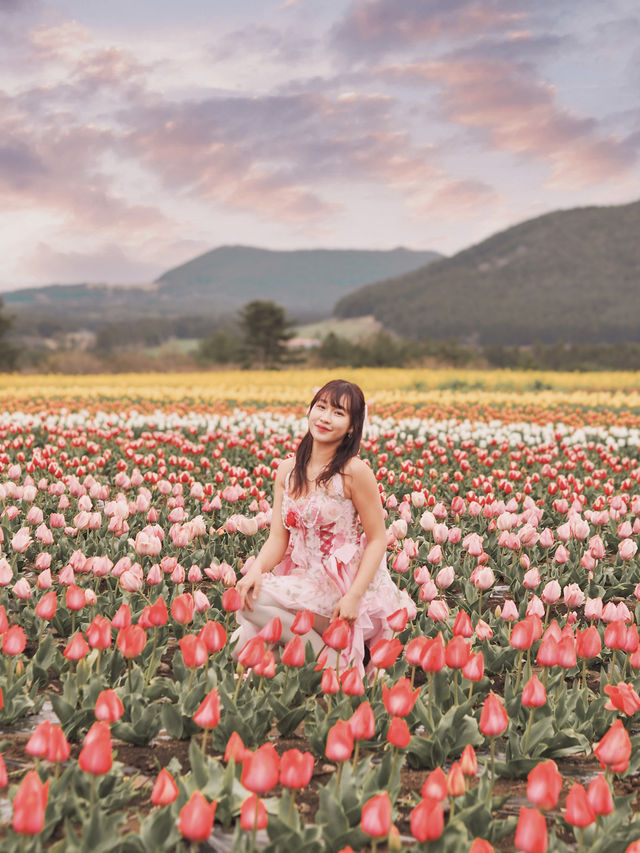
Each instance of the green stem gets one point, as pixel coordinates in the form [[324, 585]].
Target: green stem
[[239, 673], [584, 673], [429, 692], [492, 752], [480, 605], [525, 740], [292, 795], [356, 754], [153, 654], [413, 675], [92, 792], [613, 665], [518, 673], [580, 837], [339, 774], [9, 671], [191, 674], [204, 741]]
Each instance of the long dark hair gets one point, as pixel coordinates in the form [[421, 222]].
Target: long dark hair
[[338, 392]]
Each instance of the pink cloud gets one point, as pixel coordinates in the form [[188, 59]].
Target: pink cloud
[[380, 26], [520, 114]]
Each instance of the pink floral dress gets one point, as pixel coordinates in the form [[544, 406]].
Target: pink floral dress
[[321, 561]]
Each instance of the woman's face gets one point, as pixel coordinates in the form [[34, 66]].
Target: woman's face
[[329, 423]]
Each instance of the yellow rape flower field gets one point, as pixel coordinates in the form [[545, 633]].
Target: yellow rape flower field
[[383, 386]]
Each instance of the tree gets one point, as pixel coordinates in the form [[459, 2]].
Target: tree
[[8, 353], [265, 329]]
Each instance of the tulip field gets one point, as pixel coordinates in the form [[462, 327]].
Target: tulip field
[[504, 716]]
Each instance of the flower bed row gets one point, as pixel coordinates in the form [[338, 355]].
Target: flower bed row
[[122, 536]]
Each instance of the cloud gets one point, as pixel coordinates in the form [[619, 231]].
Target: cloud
[[512, 111], [46, 262], [378, 27]]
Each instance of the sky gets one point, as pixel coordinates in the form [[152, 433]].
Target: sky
[[137, 135]]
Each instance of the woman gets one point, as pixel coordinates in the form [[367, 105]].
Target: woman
[[327, 543]]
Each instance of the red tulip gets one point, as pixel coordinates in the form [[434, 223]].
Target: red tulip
[[339, 742], [493, 718], [74, 598], [293, 654], [266, 666], [435, 786], [352, 683], [14, 641], [231, 600], [158, 613], [414, 650], [522, 635], [432, 659], [95, 755], [213, 635], [109, 706], [4, 776], [599, 796], [456, 783], [614, 750], [38, 744], [337, 634], [46, 607], [578, 811], [362, 722], [194, 651], [531, 832], [462, 626], [260, 769], [481, 846], [399, 699], [165, 790], [131, 641], [99, 632], [468, 761], [296, 768], [588, 643], [376, 816], [622, 697], [196, 817], [427, 820], [76, 648], [534, 694], [236, 749], [615, 635], [59, 748], [253, 814], [182, 608], [543, 785], [329, 682], [397, 621], [272, 631], [473, 670], [252, 652], [398, 734], [385, 652], [29, 805], [208, 714], [303, 622], [122, 619], [4, 623]]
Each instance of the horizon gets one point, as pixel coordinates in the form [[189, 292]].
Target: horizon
[[133, 147]]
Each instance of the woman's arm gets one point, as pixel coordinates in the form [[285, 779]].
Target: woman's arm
[[273, 549], [366, 499]]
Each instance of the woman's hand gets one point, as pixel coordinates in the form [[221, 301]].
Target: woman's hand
[[348, 607], [249, 587]]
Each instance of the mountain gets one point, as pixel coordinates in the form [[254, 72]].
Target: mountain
[[570, 276], [307, 283]]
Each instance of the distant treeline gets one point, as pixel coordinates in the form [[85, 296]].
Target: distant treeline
[[384, 350]]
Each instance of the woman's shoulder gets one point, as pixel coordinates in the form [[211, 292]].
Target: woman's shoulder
[[356, 467], [355, 472], [285, 468]]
